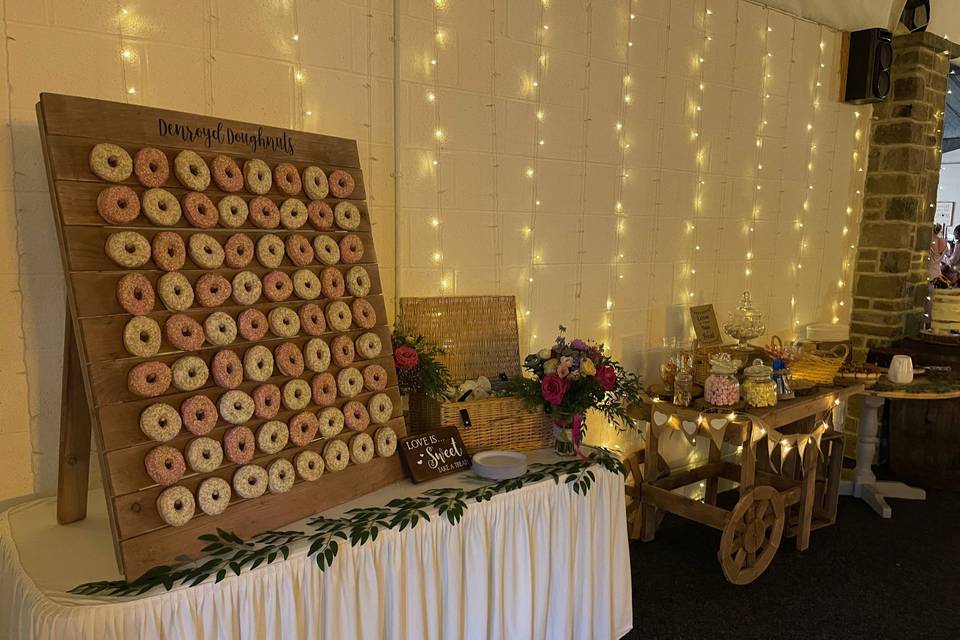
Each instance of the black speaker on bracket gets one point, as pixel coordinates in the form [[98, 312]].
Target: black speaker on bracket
[[870, 54]]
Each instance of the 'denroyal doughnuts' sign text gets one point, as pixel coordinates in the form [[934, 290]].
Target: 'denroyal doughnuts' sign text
[[433, 454], [223, 134]]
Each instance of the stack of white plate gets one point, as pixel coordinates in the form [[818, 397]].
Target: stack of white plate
[[827, 332]]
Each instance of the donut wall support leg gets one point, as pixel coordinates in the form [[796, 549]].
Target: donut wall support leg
[[74, 462]]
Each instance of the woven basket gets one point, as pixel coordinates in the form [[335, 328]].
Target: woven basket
[[479, 335], [819, 367]]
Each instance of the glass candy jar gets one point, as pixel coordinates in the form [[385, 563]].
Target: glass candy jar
[[721, 388], [759, 389], [746, 323], [683, 388]]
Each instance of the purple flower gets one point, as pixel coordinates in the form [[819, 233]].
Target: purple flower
[[579, 345]]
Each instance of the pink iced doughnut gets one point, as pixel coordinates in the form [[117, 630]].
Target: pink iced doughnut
[[312, 320], [277, 286], [331, 283], [169, 251], [266, 401], [239, 444], [151, 167], [212, 290], [227, 369], [199, 415], [149, 379], [364, 315], [375, 377], [264, 213], [183, 332], [135, 294], [320, 215], [238, 251], [351, 248], [118, 205], [341, 348], [226, 174], [199, 210], [341, 184], [324, 388], [287, 179], [289, 359], [355, 416], [303, 428], [299, 250], [252, 325], [165, 465]]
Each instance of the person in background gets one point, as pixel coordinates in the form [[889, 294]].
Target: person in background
[[935, 253], [950, 263]]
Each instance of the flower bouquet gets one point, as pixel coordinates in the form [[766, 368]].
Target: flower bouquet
[[570, 378], [418, 369]]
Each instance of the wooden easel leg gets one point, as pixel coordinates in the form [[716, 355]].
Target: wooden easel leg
[[74, 461]]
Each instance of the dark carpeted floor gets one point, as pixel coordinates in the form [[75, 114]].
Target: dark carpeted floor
[[865, 577]]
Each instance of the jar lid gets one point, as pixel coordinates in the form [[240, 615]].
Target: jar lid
[[724, 364], [758, 369]]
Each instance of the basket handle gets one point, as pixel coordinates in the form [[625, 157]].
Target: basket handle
[[776, 343], [843, 348]]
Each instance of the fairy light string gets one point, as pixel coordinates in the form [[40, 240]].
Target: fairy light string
[[433, 97], [585, 128], [128, 56], [696, 107], [497, 218], [750, 224]]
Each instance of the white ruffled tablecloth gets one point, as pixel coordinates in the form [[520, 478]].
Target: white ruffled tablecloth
[[538, 562]]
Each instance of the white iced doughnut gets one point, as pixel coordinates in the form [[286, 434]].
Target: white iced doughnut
[[204, 454], [336, 455], [272, 436], [331, 422], [380, 408], [176, 505], [361, 448], [281, 476], [386, 442], [213, 495], [309, 465], [250, 481]]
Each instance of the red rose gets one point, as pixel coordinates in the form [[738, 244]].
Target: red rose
[[406, 357], [553, 388], [607, 377]]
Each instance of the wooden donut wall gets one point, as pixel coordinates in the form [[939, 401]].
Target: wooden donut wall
[[70, 128]]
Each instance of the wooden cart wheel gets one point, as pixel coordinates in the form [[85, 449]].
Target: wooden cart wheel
[[752, 535]]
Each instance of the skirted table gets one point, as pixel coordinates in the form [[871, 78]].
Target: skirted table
[[543, 556]]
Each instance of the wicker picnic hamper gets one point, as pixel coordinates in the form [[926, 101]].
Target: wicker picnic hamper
[[819, 367], [479, 335]]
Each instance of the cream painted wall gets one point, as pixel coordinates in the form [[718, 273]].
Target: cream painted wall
[[240, 60]]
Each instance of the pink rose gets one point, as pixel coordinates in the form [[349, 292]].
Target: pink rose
[[563, 370], [607, 377], [553, 388], [406, 357]]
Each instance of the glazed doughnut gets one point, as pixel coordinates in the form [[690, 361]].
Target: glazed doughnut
[[326, 249], [361, 448], [270, 251], [250, 481], [233, 211], [205, 251], [135, 294], [256, 175], [349, 382], [236, 407], [176, 506], [220, 329], [118, 205], [165, 465], [323, 387], [246, 289], [358, 282], [320, 215], [213, 496], [264, 213], [331, 422], [284, 322], [369, 346], [226, 174], [347, 216], [303, 428], [227, 369], [110, 162], [316, 355], [141, 337], [342, 350], [204, 454], [190, 373], [336, 455], [169, 251], [258, 363], [199, 414], [293, 213], [183, 332], [149, 379], [191, 170], [311, 319], [380, 408], [309, 465], [272, 436], [128, 249], [151, 167], [296, 394], [355, 416], [341, 184], [266, 401], [160, 422], [253, 325], [287, 179], [386, 442], [306, 284], [161, 207], [238, 251], [338, 316], [315, 183], [213, 290], [289, 360], [299, 250], [364, 315], [277, 286], [351, 248], [280, 476], [239, 445], [374, 377], [199, 210], [331, 283]]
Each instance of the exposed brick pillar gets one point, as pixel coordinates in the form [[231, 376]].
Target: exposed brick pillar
[[890, 286]]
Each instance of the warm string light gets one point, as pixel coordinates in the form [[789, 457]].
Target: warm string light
[[750, 226], [299, 73], [436, 222], [581, 217], [692, 237], [128, 56], [494, 148]]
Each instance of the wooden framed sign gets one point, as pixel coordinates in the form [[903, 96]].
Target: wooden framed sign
[[705, 325], [226, 340], [432, 454]]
